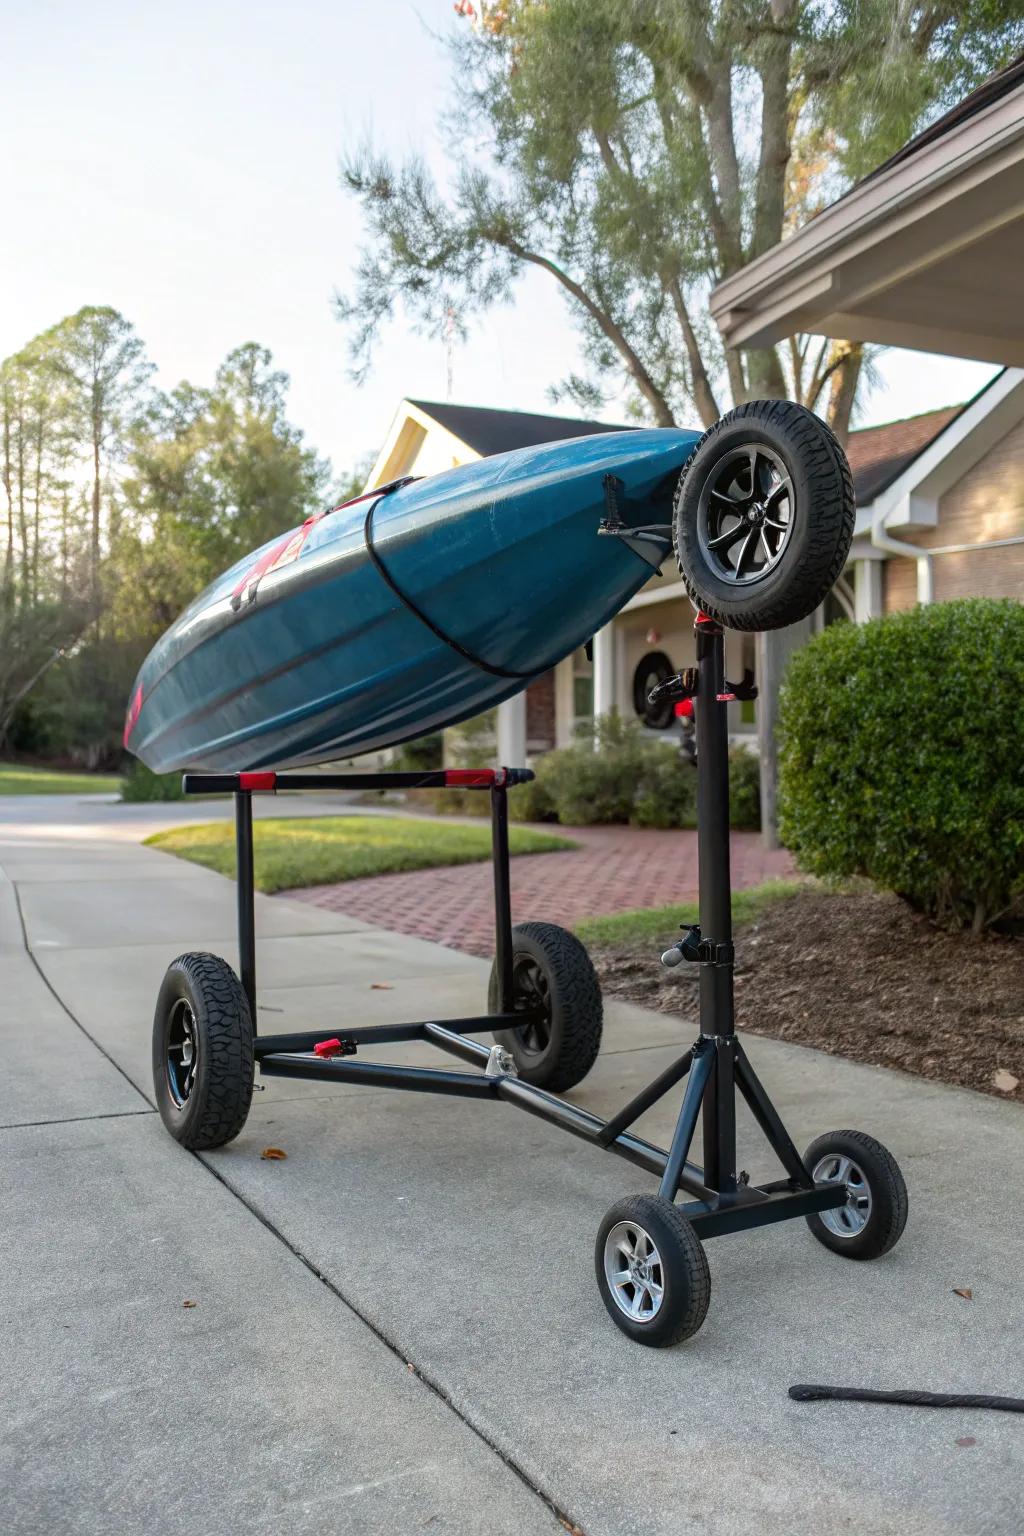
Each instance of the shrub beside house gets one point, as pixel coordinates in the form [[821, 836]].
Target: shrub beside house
[[901, 752]]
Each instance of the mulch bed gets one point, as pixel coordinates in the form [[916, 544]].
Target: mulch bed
[[862, 976]]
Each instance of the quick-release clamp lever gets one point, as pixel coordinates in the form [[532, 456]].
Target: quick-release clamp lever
[[682, 685], [695, 948], [747, 689]]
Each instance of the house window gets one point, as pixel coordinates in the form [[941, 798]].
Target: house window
[[582, 688]]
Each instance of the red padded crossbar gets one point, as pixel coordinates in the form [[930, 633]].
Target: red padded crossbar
[[257, 781], [470, 778]]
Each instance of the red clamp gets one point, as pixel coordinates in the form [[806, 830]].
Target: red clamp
[[334, 1047]]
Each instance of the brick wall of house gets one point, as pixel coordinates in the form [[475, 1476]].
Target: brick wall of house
[[986, 503], [540, 714], [899, 583]]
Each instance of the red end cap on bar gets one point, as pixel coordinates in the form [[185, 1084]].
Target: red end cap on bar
[[327, 1048], [470, 778], [684, 709], [257, 781]]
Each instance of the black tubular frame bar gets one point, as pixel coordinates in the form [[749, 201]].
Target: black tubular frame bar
[[714, 1067]]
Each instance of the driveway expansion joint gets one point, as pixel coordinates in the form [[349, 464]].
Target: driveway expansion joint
[[431, 1385]]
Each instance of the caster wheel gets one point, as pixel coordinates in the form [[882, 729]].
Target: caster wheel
[[763, 516], [553, 977], [202, 1052], [652, 1271], [872, 1220]]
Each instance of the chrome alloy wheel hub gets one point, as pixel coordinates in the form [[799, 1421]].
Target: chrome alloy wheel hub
[[847, 1220], [633, 1270]]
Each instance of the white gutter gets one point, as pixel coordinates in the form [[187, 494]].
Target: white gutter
[[925, 575]]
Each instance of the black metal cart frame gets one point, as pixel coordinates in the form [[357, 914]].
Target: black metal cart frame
[[715, 1067]]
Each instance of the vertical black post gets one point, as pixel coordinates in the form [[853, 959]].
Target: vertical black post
[[245, 892], [502, 895], [716, 977]]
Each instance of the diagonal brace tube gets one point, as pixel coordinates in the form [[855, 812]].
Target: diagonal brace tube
[[768, 1118], [645, 1098], [700, 1071]]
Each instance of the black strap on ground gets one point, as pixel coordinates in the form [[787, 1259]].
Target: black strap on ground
[[809, 1394], [407, 602]]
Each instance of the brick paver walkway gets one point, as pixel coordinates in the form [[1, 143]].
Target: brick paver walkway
[[613, 870]]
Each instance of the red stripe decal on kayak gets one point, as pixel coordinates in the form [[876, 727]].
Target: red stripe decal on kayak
[[280, 554], [134, 711], [290, 546]]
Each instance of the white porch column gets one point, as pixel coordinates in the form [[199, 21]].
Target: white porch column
[[605, 690], [512, 732], [925, 580], [867, 590]]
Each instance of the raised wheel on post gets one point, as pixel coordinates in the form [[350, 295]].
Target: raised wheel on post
[[652, 1271], [872, 1220], [202, 1052], [763, 516], [554, 981]]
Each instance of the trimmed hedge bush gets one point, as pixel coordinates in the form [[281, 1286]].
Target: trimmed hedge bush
[[141, 783], [901, 753], [630, 778]]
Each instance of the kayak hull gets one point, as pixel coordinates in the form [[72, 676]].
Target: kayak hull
[[403, 613]]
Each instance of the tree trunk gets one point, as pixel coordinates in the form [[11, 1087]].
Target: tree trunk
[[94, 573], [8, 584], [608, 327], [700, 384], [765, 378], [776, 132], [843, 390], [22, 515]]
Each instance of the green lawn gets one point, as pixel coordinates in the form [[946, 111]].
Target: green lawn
[[649, 924], [15, 779], [321, 850]]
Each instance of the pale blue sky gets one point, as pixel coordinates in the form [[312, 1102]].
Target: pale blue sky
[[180, 162]]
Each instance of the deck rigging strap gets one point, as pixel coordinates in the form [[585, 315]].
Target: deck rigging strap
[[414, 608]]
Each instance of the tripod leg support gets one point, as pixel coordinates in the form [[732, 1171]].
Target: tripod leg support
[[696, 1082], [768, 1118]]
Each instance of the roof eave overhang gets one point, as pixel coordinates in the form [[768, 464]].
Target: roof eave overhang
[[964, 188]]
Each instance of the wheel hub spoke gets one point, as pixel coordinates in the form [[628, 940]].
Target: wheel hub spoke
[[632, 1266], [847, 1220], [745, 515], [182, 1052]]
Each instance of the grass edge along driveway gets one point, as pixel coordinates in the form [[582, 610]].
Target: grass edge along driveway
[[19, 779], [326, 850]]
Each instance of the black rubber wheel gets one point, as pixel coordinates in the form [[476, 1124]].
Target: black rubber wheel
[[552, 974], [202, 1052], [763, 516], [872, 1220], [652, 1271]]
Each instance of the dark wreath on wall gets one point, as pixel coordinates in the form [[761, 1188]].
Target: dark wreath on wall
[[651, 670]]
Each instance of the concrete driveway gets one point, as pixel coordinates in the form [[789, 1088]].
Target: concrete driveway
[[397, 1328]]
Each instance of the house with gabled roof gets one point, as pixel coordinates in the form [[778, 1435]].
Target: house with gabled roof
[[940, 513]]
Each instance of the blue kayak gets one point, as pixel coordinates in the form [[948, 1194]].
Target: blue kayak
[[409, 609]]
